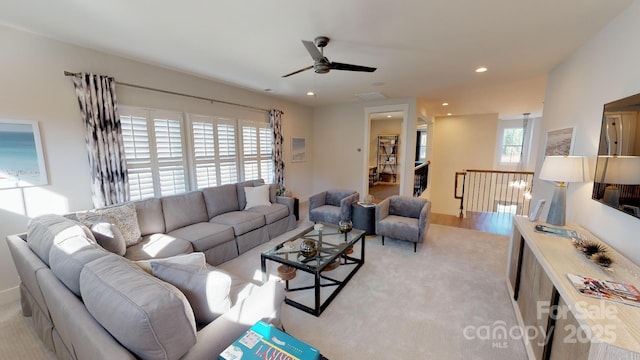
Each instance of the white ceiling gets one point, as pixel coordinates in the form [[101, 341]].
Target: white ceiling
[[422, 48]]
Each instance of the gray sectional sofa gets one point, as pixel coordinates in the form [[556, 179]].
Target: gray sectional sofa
[[142, 289]]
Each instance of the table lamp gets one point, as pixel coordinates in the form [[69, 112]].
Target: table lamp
[[562, 170], [617, 170]]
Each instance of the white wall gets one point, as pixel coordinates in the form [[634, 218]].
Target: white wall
[[459, 143], [340, 142], [604, 69], [35, 88]]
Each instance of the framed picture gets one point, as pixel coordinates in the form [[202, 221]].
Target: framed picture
[[298, 149], [21, 159], [559, 142]]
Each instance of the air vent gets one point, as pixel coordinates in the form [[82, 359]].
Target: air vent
[[371, 96]]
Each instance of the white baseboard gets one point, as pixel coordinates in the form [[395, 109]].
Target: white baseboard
[[9, 295]]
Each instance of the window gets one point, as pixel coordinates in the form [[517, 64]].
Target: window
[[214, 150], [219, 151], [153, 145], [512, 142], [421, 146], [257, 154]]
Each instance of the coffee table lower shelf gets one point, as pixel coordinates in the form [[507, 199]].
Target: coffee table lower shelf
[[319, 306]]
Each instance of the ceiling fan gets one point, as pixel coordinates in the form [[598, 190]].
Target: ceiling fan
[[321, 64]]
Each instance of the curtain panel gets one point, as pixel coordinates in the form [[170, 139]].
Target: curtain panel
[[275, 121], [103, 137]]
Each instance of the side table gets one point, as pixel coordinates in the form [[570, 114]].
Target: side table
[[364, 218]]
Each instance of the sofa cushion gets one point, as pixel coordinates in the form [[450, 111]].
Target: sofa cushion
[[44, 230], [206, 290], [410, 207], [256, 196], [399, 227], [335, 196], [271, 213], [196, 260], [148, 316], [327, 213], [108, 236], [242, 200], [221, 199], [158, 246], [124, 216], [241, 221], [150, 216], [68, 257], [205, 235], [182, 210]]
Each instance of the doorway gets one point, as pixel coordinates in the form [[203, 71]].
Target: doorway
[[384, 155]]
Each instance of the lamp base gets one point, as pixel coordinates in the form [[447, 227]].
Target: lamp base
[[612, 196], [557, 210]]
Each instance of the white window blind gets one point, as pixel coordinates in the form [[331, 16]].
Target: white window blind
[[214, 150], [256, 151], [153, 144]]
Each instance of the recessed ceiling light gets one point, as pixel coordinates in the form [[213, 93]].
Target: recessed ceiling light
[[445, 104], [310, 93], [267, 90], [481, 69], [449, 114], [389, 116]]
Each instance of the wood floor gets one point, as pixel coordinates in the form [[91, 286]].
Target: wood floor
[[496, 223]]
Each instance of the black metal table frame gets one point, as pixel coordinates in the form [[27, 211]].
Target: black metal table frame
[[317, 272]]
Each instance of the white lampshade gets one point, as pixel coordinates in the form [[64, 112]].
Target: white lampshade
[[621, 170], [565, 169]]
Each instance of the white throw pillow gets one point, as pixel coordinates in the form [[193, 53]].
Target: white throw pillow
[[206, 290], [196, 260], [257, 196], [123, 216], [108, 235]]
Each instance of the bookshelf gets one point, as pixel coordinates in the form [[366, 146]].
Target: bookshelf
[[387, 158]]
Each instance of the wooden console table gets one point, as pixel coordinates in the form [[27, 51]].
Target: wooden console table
[[558, 321]]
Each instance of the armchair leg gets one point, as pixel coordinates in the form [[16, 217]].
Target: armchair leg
[[383, 241], [415, 247]]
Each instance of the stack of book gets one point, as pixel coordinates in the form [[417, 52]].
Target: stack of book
[[264, 341]]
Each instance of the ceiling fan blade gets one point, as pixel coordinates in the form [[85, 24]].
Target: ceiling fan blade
[[299, 71], [350, 67], [313, 50]]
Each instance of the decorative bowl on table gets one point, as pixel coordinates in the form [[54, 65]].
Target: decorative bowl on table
[[345, 226], [308, 248]]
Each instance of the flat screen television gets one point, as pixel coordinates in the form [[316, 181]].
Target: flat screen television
[[617, 175]]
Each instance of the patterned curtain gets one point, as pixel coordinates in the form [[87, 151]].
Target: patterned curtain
[[275, 120], [103, 136]]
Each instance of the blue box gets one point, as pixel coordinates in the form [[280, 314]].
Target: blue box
[[264, 341]]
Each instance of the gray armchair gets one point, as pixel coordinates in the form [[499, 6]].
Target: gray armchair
[[403, 218], [331, 206]]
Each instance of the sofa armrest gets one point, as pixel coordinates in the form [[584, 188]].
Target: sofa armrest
[[345, 205], [285, 200], [317, 200], [263, 304], [382, 211], [424, 221]]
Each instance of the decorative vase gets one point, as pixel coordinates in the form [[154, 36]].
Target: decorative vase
[[345, 226], [308, 248]]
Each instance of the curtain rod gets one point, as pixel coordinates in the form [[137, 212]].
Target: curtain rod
[[68, 73]]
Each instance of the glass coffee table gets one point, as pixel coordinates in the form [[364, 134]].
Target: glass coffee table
[[320, 251]]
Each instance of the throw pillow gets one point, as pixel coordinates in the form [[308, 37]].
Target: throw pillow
[[257, 196], [196, 260], [206, 290], [124, 217], [108, 235]]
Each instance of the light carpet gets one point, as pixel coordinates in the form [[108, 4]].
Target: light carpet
[[442, 302]]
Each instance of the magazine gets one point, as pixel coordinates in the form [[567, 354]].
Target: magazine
[[568, 233], [605, 289]]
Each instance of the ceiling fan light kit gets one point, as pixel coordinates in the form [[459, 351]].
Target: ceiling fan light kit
[[322, 65]]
